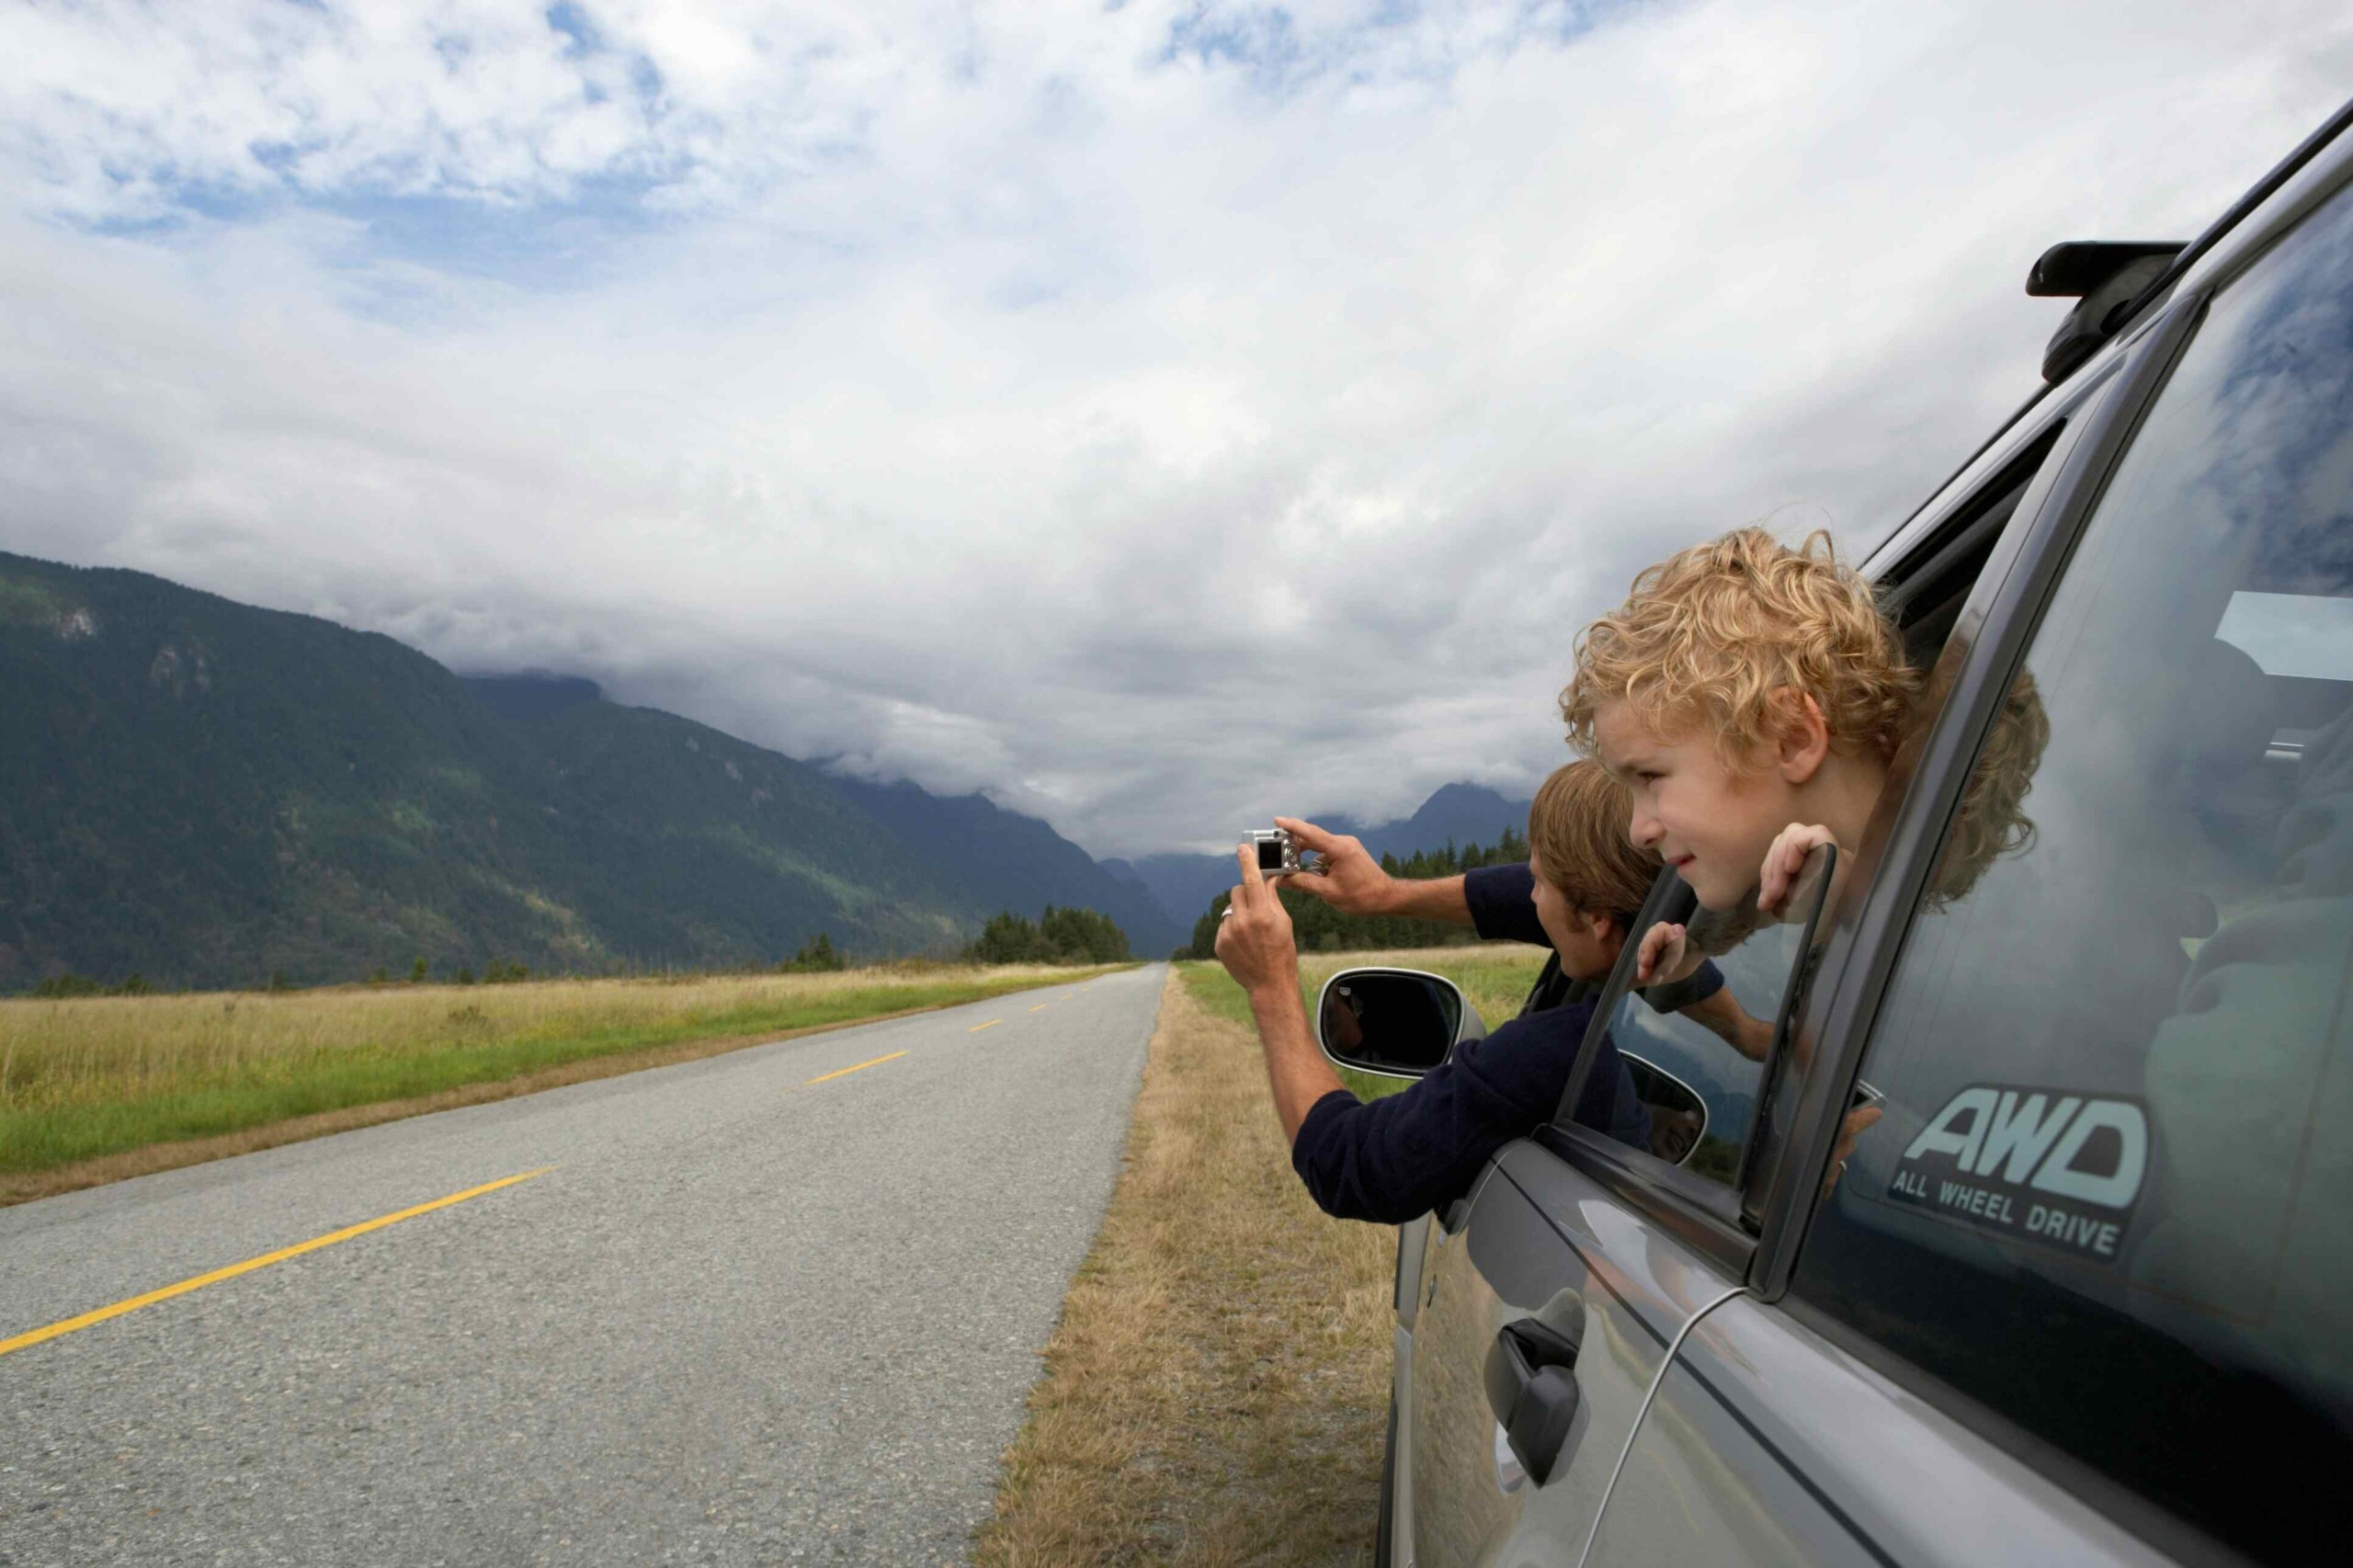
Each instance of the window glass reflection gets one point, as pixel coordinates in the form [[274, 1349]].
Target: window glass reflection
[[2110, 1195]]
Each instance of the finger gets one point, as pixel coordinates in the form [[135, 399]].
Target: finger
[[1312, 883], [1800, 847], [1254, 886], [1655, 942], [1308, 834]]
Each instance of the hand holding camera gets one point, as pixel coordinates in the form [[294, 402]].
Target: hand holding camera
[[1345, 875], [1279, 853], [1254, 936]]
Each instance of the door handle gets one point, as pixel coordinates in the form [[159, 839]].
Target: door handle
[[1532, 1388]]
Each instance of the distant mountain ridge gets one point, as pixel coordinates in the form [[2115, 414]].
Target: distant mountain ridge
[[203, 792], [1184, 885]]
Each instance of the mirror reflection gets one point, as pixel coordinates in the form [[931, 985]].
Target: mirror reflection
[[1700, 1071], [1395, 1022]]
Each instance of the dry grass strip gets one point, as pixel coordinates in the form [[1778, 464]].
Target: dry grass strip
[[1218, 1388], [23, 1186]]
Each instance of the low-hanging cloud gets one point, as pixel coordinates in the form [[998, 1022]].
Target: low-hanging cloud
[[1154, 416]]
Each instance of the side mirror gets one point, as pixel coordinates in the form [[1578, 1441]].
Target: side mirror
[[1678, 1116], [1397, 1022]]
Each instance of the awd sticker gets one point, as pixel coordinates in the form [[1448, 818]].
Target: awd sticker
[[2042, 1165]]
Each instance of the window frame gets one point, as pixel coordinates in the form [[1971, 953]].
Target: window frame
[[1718, 1221], [1996, 627], [1999, 627], [1703, 1214]]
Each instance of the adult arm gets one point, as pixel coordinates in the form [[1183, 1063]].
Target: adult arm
[[1396, 1158], [1722, 1015], [1354, 884], [1254, 942]]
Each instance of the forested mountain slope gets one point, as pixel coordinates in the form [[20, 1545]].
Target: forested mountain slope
[[202, 792]]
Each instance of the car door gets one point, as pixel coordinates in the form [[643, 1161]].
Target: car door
[[1544, 1251], [2085, 1294], [1532, 1243]]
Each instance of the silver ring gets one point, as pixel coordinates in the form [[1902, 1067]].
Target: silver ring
[[1226, 911]]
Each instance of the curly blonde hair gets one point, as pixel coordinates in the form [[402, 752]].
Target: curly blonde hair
[[1720, 635], [1577, 827], [1991, 820]]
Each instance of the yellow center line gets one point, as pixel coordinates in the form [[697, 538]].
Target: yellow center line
[[990, 1025], [38, 1336], [846, 1072], [1038, 1008]]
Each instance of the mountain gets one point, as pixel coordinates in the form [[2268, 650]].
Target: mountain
[[206, 793], [1009, 861], [1184, 885], [535, 695], [1457, 813], [1187, 882]]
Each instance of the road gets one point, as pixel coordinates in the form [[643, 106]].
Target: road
[[779, 1305]]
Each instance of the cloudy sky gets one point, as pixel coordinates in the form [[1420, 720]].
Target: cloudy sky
[[1153, 414]]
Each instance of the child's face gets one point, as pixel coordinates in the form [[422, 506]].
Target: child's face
[[1709, 821], [1588, 944]]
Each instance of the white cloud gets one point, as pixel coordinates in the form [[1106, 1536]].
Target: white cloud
[[1158, 416]]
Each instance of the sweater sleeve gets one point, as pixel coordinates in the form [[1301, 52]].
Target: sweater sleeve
[[1697, 986], [1393, 1159], [1503, 903]]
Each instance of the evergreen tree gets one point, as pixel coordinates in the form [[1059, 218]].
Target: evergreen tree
[[816, 955], [1060, 935]]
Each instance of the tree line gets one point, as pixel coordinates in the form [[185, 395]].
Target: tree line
[[1319, 927], [1060, 935]]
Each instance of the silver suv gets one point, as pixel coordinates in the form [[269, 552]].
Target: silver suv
[[2085, 1291]]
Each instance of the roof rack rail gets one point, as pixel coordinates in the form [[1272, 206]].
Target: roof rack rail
[[2121, 314], [2334, 126], [2101, 276], [2257, 194]]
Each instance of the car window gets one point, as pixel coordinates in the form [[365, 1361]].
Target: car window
[[1698, 1069], [2109, 1198]]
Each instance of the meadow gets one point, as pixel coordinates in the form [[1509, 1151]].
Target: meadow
[[89, 1079]]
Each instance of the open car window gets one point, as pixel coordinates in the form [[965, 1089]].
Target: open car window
[[1696, 1075]]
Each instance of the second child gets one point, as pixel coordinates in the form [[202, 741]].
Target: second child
[[1393, 1159]]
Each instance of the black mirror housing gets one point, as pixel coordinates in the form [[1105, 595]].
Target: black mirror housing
[[1399, 1023]]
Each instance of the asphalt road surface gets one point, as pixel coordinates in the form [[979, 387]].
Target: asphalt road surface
[[755, 1309]]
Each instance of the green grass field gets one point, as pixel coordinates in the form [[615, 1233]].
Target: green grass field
[[90, 1077]]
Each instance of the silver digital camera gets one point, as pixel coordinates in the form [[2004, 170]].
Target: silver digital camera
[[1279, 854]]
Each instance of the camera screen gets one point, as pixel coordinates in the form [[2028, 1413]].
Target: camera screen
[[1270, 854]]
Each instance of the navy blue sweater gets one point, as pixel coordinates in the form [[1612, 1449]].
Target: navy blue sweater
[[1503, 903], [1395, 1159], [1398, 1158]]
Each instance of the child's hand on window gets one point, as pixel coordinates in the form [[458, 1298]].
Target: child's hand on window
[[1785, 861], [1860, 1120], [1665, 956]]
